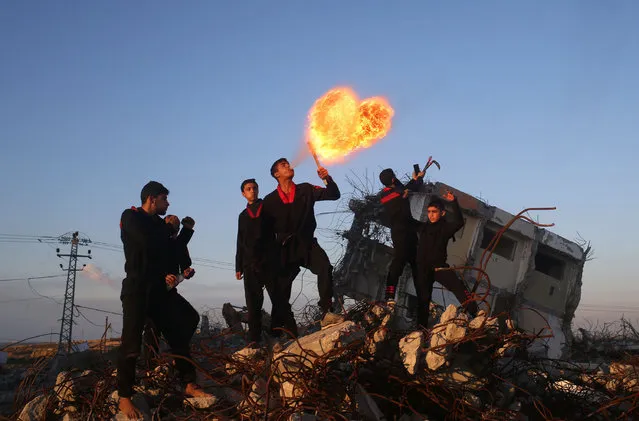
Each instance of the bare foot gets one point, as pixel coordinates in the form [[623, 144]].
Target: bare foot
[[127, 408], [195, 390]]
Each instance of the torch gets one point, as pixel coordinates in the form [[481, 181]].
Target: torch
[[310, 148]]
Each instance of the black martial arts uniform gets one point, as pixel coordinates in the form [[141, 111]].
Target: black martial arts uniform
[[144, 294], [254, 245], [292, 216], [432, 253], [179, 260], [403, 227]]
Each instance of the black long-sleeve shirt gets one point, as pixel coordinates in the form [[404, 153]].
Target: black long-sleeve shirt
[[180, 258], [433, 238], [146, 251], [397, 214], [292, 215], [253, 238]]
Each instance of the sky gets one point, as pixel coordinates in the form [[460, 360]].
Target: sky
[[523, 103]]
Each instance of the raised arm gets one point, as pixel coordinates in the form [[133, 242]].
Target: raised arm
[[186, 233], [330, 192], [416, 182], [455, 219]]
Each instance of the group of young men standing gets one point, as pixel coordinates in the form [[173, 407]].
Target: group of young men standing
[[426, 254], [275, 238]]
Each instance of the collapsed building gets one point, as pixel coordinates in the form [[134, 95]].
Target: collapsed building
[[535, 275]]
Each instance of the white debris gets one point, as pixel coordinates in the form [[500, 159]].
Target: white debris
[[410, 347]]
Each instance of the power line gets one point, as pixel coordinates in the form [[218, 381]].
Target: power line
[[45, 239], [98, 309], [25, 339], [18, 300], [31, 278]]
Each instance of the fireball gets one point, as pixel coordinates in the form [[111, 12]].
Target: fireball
[[339, 123]]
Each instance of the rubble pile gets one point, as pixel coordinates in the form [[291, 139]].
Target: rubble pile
[[369, 367]]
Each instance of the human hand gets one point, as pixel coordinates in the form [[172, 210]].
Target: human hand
[[322, 173], [188, 222], [449, 196], [171, 280]]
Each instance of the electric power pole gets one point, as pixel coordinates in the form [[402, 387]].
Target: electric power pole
[[66, 326]]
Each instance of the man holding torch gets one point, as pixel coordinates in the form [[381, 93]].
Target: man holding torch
[[290, 210]]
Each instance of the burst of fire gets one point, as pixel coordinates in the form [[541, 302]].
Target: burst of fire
[[339, 123]]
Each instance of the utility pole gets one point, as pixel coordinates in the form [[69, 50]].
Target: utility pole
[[66, 326]]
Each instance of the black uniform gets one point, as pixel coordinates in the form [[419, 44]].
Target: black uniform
[[254, 242], [432, 253], [293, 219], [179, 260], [403, 231], [144, 294]]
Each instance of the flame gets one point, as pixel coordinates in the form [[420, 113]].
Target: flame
[[339, 123]]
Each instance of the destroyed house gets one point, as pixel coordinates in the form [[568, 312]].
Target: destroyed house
[[535, 275]]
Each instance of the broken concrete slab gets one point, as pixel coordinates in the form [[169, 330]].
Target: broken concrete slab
[[456, 328], [69, 384], [259, 390], [483, 321], [322, 342], [411, 351], [379, 315], [232, 318], [376, 340], [290, 390], [436, 356], [245, 355], [35, 410], [203, 402], [449, 314]]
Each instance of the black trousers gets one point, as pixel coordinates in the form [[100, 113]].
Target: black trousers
[[151, 344], [405, 251], [254, 282], [281, 313], [173, 316], [449, 280], [314, 259]]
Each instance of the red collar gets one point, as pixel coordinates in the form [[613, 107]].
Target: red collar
[[257, 213], [287, 198]]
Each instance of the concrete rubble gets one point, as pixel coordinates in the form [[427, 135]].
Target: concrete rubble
[[362, 369]]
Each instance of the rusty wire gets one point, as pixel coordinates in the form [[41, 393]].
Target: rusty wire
[[327, 382], [499, 374]]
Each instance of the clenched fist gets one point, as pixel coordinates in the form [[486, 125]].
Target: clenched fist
[[188, 222], [322, 173]]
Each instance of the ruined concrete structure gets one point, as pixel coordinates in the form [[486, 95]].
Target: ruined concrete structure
[[535, 274]]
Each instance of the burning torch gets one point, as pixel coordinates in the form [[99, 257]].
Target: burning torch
[[310, 148]]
